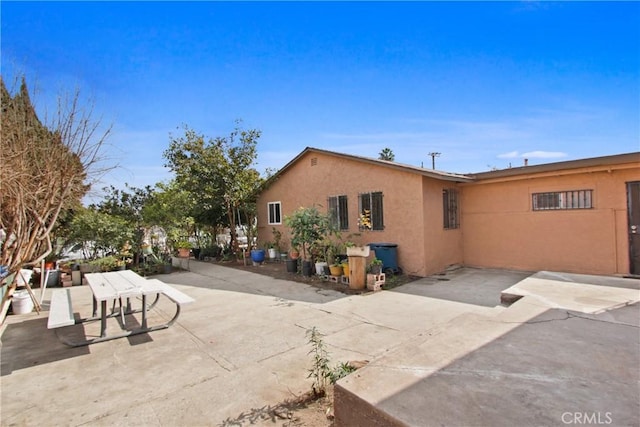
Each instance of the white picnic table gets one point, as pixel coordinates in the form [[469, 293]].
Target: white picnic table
[[116, 287]]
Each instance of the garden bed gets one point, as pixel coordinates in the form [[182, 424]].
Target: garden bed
[[278, 270]]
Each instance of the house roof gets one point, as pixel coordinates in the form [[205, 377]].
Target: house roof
[[446, 176], [593, 162]]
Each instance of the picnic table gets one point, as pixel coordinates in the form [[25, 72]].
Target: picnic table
[[118, 288]]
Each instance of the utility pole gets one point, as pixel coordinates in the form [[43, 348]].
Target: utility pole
[[433, 158]]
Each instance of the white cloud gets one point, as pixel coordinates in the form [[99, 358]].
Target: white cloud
[[538, 154], [509, 155], [544, 154]]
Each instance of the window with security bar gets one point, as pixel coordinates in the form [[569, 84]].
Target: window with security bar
[[562, 200], [450, 210], [371, 215], [338, 212]]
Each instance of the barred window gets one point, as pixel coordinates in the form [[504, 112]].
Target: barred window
[[338, 212], [562, 200], [450, 210], [274, 213], [371, 215]]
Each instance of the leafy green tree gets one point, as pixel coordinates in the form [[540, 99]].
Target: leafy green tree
[[387, 154], [98, 233], [172, 208], [128, 205], [308, 227], [218, 172]]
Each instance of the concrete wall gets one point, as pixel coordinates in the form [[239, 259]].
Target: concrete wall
[[304, 184], [501, 230]]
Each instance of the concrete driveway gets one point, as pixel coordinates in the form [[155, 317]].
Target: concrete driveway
[[236, 352]]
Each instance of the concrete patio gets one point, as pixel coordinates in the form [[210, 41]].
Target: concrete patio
[[241, 349]]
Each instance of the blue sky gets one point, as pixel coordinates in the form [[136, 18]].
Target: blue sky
[[484, 84]]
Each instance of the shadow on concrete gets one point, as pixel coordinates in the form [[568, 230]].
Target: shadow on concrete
[[481, 287], [212, 276], [29, 343], [555, 367]]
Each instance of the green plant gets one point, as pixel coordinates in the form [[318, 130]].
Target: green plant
[[340, 371], [308, 226], [331, 252], [106, 263], [376, 261], [277, 237], [269, 245], [183, 244], [320, 371]]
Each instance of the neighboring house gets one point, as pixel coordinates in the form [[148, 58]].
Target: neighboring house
[[572, 216]]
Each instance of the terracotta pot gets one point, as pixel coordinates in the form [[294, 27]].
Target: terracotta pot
[[294, 254], [184, 252]]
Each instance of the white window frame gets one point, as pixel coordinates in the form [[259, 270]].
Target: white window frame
[[270, 219]]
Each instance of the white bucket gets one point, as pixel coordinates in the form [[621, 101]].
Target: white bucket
[[23, 277], [21, 302]]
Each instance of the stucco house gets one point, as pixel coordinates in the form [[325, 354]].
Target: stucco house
[[575, 216]]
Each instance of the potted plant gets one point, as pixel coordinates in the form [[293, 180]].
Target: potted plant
[[50, 261], [271, 250], [376, 266], [308, 226], [277, 237], [345, 268], [320, 267], [336, 269], [353, 250], [184, 248], [257, 256]]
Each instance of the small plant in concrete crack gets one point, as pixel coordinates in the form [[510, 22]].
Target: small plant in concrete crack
[[320, 371], [340, 371]]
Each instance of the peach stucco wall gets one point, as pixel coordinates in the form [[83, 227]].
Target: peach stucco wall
[[442, 247], [408, 215], [501, 230]]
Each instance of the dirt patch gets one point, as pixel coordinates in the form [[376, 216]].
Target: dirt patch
[[278, 270], [306, 410]]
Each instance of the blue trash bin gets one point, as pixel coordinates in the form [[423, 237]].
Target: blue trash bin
[[388, 254]]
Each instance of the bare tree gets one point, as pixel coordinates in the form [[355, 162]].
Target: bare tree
[[46, 169]]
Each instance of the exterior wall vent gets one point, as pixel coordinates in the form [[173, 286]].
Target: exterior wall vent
[[314, 161]]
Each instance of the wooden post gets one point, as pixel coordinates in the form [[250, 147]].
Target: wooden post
[[357, 272]]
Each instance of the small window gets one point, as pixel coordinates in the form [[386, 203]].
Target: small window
[[338, 212], [450, 209], [371, 215], [562, 200], [274, 213]]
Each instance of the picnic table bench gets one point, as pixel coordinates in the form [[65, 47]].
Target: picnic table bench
[[116, 287]]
